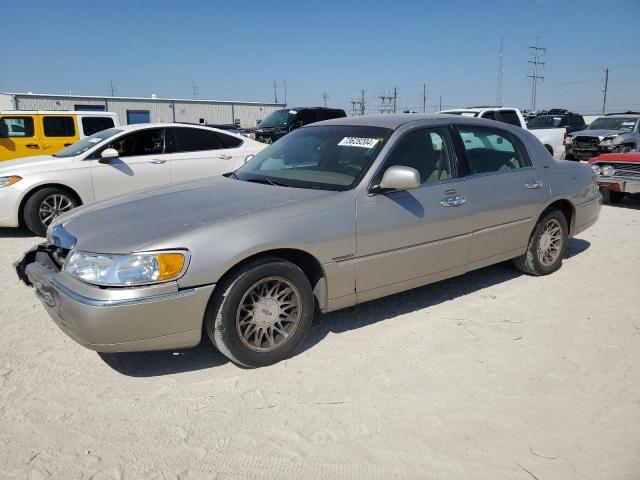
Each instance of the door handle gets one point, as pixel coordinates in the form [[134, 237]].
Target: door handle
[[32, 145], [453, 201], [534, 184], [157, 161], [225, 157]]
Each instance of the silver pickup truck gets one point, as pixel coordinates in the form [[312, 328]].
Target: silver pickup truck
[[617, 133]]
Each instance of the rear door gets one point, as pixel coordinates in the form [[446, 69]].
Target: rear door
[[58, 132], [507, 192], [20, 136], [406, 238], [142, 164], [200, 153]]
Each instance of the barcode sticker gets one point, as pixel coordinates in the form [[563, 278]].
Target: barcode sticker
[[359, 142]]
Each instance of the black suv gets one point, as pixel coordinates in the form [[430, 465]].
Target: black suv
[[571, 121], [277, 124]]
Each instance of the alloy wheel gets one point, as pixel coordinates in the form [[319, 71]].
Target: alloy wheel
[[550, 242], [52, 206]]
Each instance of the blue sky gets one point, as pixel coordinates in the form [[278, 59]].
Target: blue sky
[[234, 50]]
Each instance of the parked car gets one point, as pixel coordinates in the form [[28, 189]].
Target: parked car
[[277, 124], [551, 138], [35, 190], [334, 214], [27, 133], [618, 174], [610, 133], [571, 122]]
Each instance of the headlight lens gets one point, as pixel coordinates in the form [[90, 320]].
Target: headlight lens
[[125, 270], [607, 141], [608, 170], [596, 169], [6, 181]]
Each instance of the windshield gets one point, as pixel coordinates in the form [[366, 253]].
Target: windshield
[[86, 143], [544, 121], [279, 118], [326, 157], [624, 124]]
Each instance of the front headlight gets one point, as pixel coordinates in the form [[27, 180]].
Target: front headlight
[[6, 181], [126, 270], [607, 141], [596, 169], [608, 170]]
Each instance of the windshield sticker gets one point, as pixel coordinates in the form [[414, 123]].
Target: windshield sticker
[[95, 140], [358, 142], [293, 112]]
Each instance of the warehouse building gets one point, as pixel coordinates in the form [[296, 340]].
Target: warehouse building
[[145, 110]]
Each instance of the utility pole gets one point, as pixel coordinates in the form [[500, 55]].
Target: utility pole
[[395, 98], [424, 98], [499, 96], [538, 51], [194, 89], [604, 90], [275, 91], [285, 91], [357, 106], [112, 88], [324, 97], [440, 103]]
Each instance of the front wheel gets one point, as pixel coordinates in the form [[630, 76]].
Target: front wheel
[[547, 245], [44, 206], [262, 314]]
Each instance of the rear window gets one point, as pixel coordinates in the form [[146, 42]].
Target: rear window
[[91, 125], [510, 117], [16, 127], [229, 141], [58, 127]]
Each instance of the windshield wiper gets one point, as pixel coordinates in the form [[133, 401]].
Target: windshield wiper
[[266, 181]]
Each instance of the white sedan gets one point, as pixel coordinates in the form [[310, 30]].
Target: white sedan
[[34, 190]]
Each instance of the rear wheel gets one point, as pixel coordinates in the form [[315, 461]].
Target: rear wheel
[[262, 314], [547, 245], [44, 206]]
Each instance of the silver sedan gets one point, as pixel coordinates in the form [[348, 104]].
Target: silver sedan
[[334, 214]]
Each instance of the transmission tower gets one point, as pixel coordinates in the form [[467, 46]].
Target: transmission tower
[[275, 91], [194, 89], [499, 96], [537, 51], [358, 106], [388, 101], [112, 88], [424, 98], [325, 96], [604, 90]]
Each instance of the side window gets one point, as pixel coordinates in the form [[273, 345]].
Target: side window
[[144, 142], [91, 125], [307, 117], [195, 139], [17, 127], [510, 117], [228, 141], [490, 115], [491, 150], [428, 151], [58, 127]]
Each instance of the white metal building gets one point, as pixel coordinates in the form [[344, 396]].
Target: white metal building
[[144, 110]]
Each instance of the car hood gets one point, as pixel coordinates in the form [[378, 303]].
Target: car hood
[[596, 133], [629, 157], [127, 224], [38, 163]]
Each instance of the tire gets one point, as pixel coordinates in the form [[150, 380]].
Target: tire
[[43, 206], [531, 262], [235, 330], [612, 197]]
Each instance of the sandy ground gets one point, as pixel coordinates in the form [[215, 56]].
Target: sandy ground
[[490, 375]]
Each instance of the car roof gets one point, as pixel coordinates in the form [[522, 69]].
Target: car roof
[[58, 112], [392, 121], [142, 126], [621, 115]]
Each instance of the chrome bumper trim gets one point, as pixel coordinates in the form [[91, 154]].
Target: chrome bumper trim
[[94, 302]]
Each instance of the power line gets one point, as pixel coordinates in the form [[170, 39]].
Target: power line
[[194, 89], [604, 90], [538, 51]]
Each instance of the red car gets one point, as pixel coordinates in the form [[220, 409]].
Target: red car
[[617, 174]]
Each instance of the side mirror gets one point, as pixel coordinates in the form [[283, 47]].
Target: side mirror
[[398, 177], [109, 153]]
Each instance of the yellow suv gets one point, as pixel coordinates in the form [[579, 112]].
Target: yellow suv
[[26, 133]]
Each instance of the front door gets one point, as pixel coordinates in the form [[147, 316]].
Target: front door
[[20, 136], [141, 164], [58, 132], [508, 192], [409, 238]]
